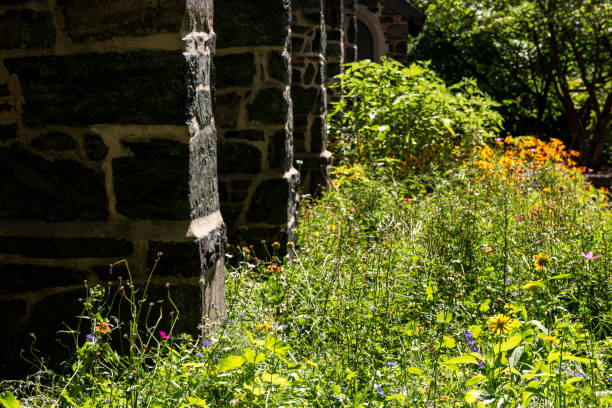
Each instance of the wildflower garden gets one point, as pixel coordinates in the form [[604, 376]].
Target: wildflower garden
[[445, 266]]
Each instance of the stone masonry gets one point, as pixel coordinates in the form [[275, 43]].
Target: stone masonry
[[134, 127]]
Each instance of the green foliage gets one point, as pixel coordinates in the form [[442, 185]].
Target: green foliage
[[547, 61], [388, 111]]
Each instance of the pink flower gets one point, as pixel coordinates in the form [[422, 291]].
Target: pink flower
[[163, 335], [590, 256], [498, 139], [519, 219]]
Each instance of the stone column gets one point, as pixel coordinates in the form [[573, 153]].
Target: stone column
[[97, 163], [350, 31], [309, 93], [334, 21], [253, 111]]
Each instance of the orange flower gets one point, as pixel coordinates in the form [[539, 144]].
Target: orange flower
[[103, 327]]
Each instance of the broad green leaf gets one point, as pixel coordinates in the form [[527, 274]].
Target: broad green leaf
[[484, 306], [573, 380], [253, 339], [275, 379], [197, 402], [562, 276], [449, 342], [444, 317], [250, 356], [516, 356], [475, 330], [539, 326], [462, 360], [276, 345], [414, 370], [511, 343], [231, 362], [8, 400], [472, 396], [475, 380]]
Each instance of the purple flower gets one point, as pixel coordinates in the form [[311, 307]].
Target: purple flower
[[343, 389], [322, 335], [206, 344], [391, 363], [380, 390], [498, 139], [590, 256], [199, 355], [281, 327], [90, 337], [473, 346]]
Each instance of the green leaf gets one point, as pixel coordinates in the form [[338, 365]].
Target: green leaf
[[484, 306], [475, 380], [462, 360], [414, 370], [257, 391], [511, 343], [276, 345], [472, 396], [8, 400], [231, 362], [275, 379], [197, 402], [449, 342], [539, 326], [562, 276], [444, 317], [516, 356], [250, 356]]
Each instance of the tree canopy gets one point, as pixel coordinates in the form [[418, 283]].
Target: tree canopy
[[548, 62]]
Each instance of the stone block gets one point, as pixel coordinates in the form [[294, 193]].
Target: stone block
[[234, 70], [226, 115], [20, 278], [241, 184], [155, 183], [63, 248], [247, 134], [94, 147], [397, 30], [303, 99], [145, 87], [309, 75], [26, 28], [251, 23], [235, 157], [57, 141], [4, 90], [93, 20], [204, 195], [318, 135], [34, 188], [271, 202], [8, 132], [178, 259], [279, 151], [278, 66], [269, 106], [205, 111], [230, 214]]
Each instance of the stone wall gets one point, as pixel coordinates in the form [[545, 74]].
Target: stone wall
[[257, 181], [309, 93], [107, 151]]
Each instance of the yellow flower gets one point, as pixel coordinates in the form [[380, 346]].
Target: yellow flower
[[310, 363], [551, 339], [263, 327], [499, 324], [531, 285], [541, 261]]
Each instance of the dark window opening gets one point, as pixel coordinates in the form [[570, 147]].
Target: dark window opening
[[365, 42]]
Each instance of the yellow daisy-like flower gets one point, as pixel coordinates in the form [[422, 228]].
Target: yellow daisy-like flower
[[551, 339], [263, 327], [541, 261], [499, 324]]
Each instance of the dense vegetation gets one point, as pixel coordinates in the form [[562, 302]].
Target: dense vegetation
[[547, 62], [445, 267]]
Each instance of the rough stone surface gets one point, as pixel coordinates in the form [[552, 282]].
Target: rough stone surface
[[269, 106], [8, 132], [204, 112], [57, 141], [160, 170], [234, 70], [247, 134], [34, 188], [94, 147], [103, 20], [279, 151], [19, 278], [304, 99], [278, 66], [133, 87], [270, 202], [178, 259], [203, 185], [225, 113], [235, 157], [248, 22], [25, 28], [4, 90], [65, 247]]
